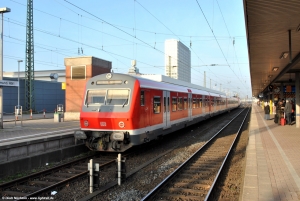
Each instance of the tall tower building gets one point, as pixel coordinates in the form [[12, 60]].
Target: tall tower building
[[177, 60]]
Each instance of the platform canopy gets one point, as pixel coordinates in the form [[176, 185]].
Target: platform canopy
[[273, 36]]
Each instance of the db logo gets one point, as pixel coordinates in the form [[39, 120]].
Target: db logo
[[121, 124]]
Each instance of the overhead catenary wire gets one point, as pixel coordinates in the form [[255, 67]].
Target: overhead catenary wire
[[218, 43], [135, 30], [175, 35]]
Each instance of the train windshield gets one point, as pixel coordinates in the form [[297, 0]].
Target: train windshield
[[95, 97], [117, 97], [107, 97]]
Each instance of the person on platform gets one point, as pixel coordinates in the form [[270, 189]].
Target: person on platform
[[288, 112], [279, 111], [267, 111]]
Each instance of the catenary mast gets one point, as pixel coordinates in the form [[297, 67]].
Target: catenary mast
[[29, 61]]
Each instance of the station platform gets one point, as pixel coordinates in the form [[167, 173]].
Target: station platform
[[33, 127], [272, 160], [38, 141]]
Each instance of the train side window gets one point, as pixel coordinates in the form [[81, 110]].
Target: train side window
[[180, 103], [185, 103], [195, 103], [142, 98], [174, 104], [157, 104]]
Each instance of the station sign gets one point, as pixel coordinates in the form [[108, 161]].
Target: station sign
[[9, 83]]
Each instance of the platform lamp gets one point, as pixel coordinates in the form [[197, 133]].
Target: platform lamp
[[19, 86], [2, 10]]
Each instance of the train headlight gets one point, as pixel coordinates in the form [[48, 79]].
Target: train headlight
[[108, 76], [86, 123], [121, 124]]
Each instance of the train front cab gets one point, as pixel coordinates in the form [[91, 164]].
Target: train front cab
[[106, 117]]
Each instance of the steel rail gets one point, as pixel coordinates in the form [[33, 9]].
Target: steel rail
[[225, 159], [114, 183], [161, 184]]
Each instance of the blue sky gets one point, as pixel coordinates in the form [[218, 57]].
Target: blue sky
[[122, 30]]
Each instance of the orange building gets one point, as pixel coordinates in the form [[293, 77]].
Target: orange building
[[78, 71]]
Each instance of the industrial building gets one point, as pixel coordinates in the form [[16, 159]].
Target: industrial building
[[47, 95], [48, 86], [177, 60]]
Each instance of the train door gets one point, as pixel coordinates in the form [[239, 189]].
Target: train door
[[190, 106], [166, 109], [209, 98], [146, 105]]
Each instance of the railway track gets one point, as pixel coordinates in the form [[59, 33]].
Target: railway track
[[43, 182], [97, 194], [196, 177]]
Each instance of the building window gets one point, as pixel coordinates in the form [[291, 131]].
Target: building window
[[78, 72], [142, 98], [156, 105]]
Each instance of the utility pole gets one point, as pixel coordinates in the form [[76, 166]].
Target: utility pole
[[29, 61], [2, 11]]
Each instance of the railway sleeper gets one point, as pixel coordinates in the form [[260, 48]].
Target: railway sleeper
[[187, 191], [193, 177], [65, 174], [203, 181], [191, 185], [82, 167], [43, 183], [203, 166], [203, 160], [30, 188], [196, 174], [13, 193], [55, 178], [73, 171], [168, 196], [196, 171]]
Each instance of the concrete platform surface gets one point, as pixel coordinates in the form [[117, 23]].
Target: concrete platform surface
[[272, 160], [38, 127]]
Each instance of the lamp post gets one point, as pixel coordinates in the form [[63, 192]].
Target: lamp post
[[2, 10], [19, 85]]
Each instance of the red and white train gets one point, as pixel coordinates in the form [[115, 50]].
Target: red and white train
[[120, 111]]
